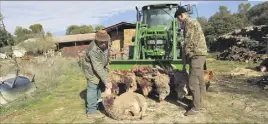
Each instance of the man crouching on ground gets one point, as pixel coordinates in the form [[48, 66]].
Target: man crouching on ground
[[195, 49], [95, 70]]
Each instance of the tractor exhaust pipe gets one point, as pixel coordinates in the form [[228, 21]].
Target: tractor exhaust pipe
[[138, 14]]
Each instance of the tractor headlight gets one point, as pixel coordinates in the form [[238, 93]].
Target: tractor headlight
[[157, 41]]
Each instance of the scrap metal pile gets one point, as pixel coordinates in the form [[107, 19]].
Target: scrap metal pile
[[246, 45]]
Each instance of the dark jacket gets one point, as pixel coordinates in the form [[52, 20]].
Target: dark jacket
[[94, 64]]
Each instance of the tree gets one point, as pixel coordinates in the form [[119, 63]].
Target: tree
[[49, 34], [242, 14], [258, 14], [243, 8], [22, 34], [99, 27], [223, 22], [86, 29], [5, 36], [223, 11], [75, 29], [203, 22], [90, 29], [220, 22], [36, 28]]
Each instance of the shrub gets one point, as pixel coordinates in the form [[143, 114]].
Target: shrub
[[39, 46]]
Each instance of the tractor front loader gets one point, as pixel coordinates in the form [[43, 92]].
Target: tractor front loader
[[157, 40]]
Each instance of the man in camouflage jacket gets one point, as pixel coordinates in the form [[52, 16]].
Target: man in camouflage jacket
[[195, 50], [95, 69]]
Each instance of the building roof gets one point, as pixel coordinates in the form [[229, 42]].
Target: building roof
[[118, 25], [88, 36], [76, 37]]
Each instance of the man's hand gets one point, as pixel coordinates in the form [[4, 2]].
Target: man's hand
[[107, 92], [108, 68], [188, 53], [108, 85]]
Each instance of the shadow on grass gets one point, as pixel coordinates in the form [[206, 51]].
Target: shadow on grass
[[252, 68], [185, 103], [241, 84], [83, 95]]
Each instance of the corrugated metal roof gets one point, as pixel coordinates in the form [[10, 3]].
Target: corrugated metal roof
[[77, 37], [118, 25]]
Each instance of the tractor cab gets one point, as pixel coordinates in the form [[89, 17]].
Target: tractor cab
[[158, 15], [156, 28]]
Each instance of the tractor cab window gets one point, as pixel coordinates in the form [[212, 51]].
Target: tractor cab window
[[158, 17]]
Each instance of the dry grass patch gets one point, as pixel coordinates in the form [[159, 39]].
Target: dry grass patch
[[59, 102]]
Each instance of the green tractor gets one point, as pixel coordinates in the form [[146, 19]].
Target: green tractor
[[157, 38]]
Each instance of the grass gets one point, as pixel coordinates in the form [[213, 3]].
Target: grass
[[225, 67], [58, 98], [49, 78]]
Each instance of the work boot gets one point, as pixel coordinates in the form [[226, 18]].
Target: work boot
[[95, 115], [191, 112]]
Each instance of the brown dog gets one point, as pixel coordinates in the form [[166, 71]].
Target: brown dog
[[208, 75]]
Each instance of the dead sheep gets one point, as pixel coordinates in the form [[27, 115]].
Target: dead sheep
[[124, 77], [162, 85], [127, 106]]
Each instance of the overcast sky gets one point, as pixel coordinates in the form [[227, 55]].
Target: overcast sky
[[56, 16]]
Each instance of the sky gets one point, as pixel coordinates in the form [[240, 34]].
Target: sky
[[56, 16]]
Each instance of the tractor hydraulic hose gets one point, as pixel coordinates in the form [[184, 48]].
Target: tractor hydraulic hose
[[174, 49], [196, 10], [136, 44]]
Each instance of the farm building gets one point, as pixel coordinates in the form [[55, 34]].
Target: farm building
[[70, 45], [121, 37]]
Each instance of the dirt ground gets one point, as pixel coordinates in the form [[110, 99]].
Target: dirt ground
[[230, 99]]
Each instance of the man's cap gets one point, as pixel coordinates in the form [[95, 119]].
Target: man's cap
[[102, 36], [179, 11]]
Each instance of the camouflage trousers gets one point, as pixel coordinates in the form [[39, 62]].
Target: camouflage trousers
[[196, 80]]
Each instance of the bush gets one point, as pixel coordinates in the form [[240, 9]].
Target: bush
[[5, 49], [39, 46]]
